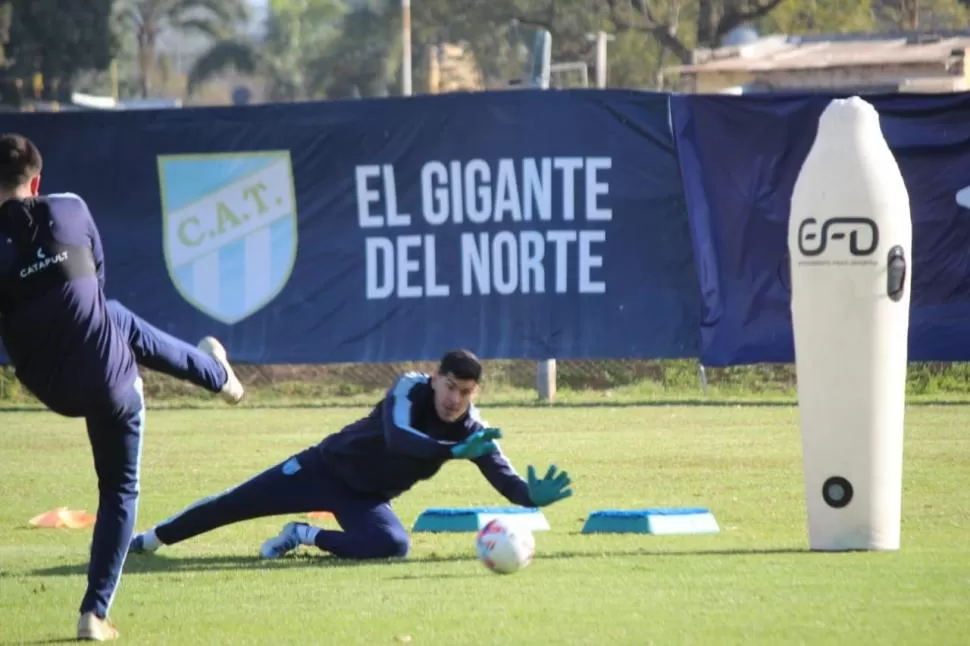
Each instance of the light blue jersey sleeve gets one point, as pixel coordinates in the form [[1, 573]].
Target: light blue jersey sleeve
[[399, 432]]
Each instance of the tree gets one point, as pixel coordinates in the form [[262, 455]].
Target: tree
[[648, 31], [820, 16], [298, 35], [711, 19], [212, 18], [921, 15], [53, 42], [6, 18], [501, 32], [365, 59]]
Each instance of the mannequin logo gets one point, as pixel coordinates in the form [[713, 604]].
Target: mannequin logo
[[863, 236]]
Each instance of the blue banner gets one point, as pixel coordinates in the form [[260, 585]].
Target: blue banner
[[740, 157], [519, 224]]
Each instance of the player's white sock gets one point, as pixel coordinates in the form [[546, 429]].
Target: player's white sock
[[150, 542], [307, 534]]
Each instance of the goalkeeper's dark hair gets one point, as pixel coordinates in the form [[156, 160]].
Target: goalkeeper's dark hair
[[463, 364]]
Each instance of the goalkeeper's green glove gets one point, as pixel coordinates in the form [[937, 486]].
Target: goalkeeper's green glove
[[479, 443], [552, 488]]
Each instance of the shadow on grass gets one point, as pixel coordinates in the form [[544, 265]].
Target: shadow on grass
[[151, 564]]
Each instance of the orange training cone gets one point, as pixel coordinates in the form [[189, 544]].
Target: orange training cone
[[320, 515], [63, 518]]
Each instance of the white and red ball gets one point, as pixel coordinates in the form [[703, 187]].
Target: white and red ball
[[504, 548]]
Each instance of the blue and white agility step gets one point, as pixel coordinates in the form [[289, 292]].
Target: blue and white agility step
[[472, 519], [660, 521]]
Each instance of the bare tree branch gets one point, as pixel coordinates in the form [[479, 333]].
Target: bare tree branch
[[535, 21], [644, 10], [736, 17], [641, 19]]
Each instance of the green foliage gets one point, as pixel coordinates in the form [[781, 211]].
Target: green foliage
[[365, 59], [836, 16], [56, 39], [299, 34], [224, 55], [923, 15], [500, 33], [147, 19], [6, 20], [651, 34], [322, 49], [819, 16], [208, 17], [636, 62]]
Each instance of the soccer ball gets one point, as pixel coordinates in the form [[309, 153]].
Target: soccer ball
[[503, 548]]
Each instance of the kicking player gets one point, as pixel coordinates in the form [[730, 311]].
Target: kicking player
[[422, 423], [78, 353]]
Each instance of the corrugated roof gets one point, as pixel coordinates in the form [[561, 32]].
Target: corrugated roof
[[776, 53]]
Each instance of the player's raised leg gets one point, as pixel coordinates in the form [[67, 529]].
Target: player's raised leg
[[292, 486], [116, 440], [206, 366], [371, 530]]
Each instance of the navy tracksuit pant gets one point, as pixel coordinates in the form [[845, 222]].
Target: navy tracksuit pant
[[116, 441], [159, 351], [299, 484]]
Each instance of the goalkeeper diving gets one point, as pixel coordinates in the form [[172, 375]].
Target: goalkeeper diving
[[422, 423]]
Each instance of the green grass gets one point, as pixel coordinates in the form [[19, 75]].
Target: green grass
[[754, 583]]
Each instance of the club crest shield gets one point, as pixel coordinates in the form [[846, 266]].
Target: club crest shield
[[229, 229]]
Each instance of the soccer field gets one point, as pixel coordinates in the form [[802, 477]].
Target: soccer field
[[754, 583]]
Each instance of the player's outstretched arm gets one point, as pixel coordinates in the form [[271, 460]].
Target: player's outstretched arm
[[504, 479], [399, 433], [529, 492]]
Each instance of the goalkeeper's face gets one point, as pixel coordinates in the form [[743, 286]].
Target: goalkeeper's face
[[452, 396]]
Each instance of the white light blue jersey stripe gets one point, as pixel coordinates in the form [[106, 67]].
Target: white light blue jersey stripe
[[475, 417], [402, 405]]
